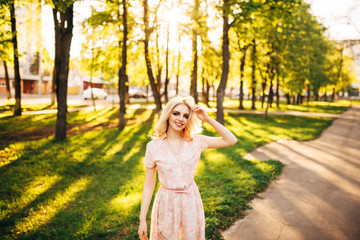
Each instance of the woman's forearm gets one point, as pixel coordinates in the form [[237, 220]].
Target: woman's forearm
[[149, 186], [225, 134]]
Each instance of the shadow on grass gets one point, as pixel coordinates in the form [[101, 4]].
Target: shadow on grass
[[228, 182], [110, 162], [107, 178]]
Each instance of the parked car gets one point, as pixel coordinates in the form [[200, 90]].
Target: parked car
[[137, 93], [98, 93]]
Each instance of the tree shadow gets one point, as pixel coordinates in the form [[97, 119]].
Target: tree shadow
[[114, 171]]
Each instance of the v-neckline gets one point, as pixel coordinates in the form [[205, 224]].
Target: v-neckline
[[171, 150]]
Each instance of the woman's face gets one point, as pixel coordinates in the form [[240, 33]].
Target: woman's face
[[179, 117]]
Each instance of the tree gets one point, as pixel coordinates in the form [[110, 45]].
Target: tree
[[17, 110], [148, 30], [220, 92], [232, 11], [167, 78], [5, 44], [122, 72], [194, 71], [63, 13]]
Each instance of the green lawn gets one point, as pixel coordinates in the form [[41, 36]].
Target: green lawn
[[313, 106], [8, 108], [90, 186]]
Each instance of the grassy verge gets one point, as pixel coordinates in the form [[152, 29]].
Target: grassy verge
[[109, 115], [103, 116], [90, 186], [8, 108], [313, 106]]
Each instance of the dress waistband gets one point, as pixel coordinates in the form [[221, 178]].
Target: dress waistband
[[185, 190]]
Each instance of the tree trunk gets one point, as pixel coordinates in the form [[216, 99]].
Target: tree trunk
[[277, 86], [253, 79], [241, 90], [147, 58], [17, 109], [263, 87], [308, 93], [193, 85], [288, 101], [7, 81], [203, 88], [53, 86], [333, 95], [220, 93], [158, 64], [167, 65], [207, 95], [122, 71], [63, 36], [178, 68], [271, 93], [316, 95]]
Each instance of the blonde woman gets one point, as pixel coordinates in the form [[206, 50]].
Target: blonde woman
[[174, 152]]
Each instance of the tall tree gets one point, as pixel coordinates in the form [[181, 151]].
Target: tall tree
[[5, 44], [220, 92], [253, 75], [122, 72], [148, 30], [17, 109], [167, 78], [194, 71], [63, 13], [234, 11]]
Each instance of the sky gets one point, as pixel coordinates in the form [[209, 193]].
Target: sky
[[340, 17]]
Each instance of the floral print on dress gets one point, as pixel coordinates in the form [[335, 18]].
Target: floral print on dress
[[178, 211]]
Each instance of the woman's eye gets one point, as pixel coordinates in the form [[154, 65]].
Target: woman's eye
[[186, 116], [175, 113]]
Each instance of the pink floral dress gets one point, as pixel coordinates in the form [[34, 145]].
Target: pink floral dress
[[178, 211]]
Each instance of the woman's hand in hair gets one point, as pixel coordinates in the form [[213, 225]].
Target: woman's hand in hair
[[201, 113]]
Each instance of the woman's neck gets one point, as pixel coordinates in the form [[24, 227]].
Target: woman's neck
[[173, 134]]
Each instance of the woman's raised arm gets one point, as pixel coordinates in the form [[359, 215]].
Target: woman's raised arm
[[227, 138]]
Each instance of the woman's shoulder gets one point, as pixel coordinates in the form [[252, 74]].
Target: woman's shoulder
[[197, 137], [155, 142]]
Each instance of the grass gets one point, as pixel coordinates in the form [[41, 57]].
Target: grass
[[90, 186], [8, 108], [103, 116], [109, 114], [313, 106]]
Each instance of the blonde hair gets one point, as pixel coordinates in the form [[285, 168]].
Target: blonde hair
[[193, 125]]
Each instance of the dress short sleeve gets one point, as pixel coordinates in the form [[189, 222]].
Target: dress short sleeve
[[149, 159], [203, 145]]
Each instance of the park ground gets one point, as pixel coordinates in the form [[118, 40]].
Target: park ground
[[90, 185], [317, 195]]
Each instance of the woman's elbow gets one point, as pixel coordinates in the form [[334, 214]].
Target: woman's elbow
[[233, 141]]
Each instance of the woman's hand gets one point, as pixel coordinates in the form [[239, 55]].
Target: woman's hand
[[201, 113], [142, 230]]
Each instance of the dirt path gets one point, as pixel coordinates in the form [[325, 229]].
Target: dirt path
[[318, 194]]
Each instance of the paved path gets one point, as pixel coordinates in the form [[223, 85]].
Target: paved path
[[318, 194]]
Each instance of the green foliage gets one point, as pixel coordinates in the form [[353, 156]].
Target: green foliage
[[6, 49], [90, 185]]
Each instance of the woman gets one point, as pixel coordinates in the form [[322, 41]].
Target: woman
[[178, 211]]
